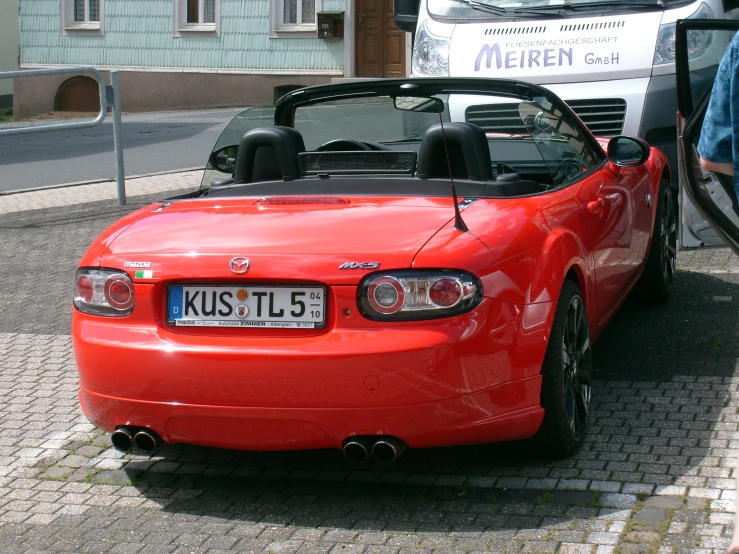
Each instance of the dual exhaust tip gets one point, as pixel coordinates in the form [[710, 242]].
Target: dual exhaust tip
[[357, 450], [385, 449], [124, 438]]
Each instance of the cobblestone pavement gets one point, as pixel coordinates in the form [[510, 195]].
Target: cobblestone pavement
[[656, 474]]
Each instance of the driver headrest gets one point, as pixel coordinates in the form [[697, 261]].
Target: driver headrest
[[268, 153]]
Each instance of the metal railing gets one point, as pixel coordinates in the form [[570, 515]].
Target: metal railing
[[109, 96]]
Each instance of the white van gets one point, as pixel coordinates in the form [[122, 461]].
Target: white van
[[612, 61]]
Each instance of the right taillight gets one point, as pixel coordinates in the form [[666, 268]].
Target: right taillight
[[106, 292], [386, 295], [418, 294]]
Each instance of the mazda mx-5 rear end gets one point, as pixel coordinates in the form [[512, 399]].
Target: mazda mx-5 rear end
[[256, 324]]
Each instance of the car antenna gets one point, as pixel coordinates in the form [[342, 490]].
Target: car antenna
[[459, 223]]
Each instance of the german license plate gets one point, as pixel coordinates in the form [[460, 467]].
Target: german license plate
[[246, 306]]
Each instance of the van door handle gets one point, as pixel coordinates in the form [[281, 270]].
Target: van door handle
[[596, 206]]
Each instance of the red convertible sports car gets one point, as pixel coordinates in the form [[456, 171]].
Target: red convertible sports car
[[382, 264]]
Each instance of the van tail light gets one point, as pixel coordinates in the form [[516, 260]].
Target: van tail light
[[106, 292]]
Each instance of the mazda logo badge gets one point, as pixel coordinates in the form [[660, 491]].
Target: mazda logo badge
[[239, 264]]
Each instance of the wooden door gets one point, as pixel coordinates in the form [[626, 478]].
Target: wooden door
[[380, 45], [394, 43], [78, 94]]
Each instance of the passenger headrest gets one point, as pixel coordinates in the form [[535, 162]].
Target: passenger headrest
[[469, 154], [268, 153]]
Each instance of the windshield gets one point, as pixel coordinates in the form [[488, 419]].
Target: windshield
[[491, 9], [493, 142], [373, 120], [530, 132]]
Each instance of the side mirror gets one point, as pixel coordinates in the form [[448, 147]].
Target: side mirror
[[224, 159], [626, 151], [406, 14]]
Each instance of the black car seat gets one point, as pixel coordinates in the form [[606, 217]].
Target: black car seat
[[268, 154], [469, 158]]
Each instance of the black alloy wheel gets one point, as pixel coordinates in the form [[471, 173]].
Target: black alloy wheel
[[566, 387], [576, 368], [668, 236], [658, 279]]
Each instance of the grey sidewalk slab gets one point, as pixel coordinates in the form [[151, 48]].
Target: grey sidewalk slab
[[81, 194]]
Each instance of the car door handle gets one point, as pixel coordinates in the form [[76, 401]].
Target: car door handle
[[596, 206]]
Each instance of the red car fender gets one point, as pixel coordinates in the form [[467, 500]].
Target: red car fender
[[93, 255], [504, 245], [562, 253]]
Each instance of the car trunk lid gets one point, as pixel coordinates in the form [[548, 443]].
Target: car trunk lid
[[300, 240]]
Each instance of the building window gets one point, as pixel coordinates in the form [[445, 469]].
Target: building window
[[197, 17], [298, 12], [87, 11], [294, 18], [201, 12], [82, 17]]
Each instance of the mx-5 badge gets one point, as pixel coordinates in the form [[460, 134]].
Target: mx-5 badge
[[360, 265]]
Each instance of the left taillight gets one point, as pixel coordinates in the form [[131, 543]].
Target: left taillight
[[107, 292]]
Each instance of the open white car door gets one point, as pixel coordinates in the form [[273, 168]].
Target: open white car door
[[708, 204]]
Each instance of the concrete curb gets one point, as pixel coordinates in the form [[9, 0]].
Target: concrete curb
[[96, 181]]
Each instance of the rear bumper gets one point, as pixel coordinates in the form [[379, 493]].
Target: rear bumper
[[460, 380], [471, 419]]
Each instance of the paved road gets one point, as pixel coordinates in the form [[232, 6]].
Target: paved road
[[655, 476], [152, 143]]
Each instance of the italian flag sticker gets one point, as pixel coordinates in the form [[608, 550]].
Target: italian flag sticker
[[144, 274]]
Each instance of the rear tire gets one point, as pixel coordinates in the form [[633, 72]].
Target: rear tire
[[566, 385], [655, 286]]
